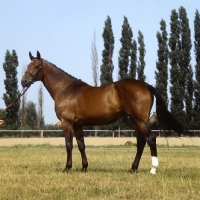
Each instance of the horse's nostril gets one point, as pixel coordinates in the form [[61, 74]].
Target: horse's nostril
[[23, 82]]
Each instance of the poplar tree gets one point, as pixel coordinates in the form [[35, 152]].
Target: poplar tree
[[40, 115], [133, 65], [176, 102], [197, 69], [180, 45], [23, 108], [141, 62], [31, 116], [161, 75], [189, 118], [94, 58], [11, 86], [23, 104], [125, 51], [186, 73], [107, 63], [95, 74]]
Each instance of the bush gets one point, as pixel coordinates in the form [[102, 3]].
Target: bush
[[129, 143]]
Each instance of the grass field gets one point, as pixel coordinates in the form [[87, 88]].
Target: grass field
[[35, 172]]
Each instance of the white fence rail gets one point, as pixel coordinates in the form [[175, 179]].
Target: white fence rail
[[92, 133]]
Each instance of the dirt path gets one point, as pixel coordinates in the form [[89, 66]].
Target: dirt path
[[97, 141]]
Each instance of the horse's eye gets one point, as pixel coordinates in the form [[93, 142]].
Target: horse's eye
[[37, 67]]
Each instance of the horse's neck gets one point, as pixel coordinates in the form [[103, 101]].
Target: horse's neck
[[54, 79]]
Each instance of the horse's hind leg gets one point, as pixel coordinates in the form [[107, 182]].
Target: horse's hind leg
[[81, 145], [144, 135], [152, 144], [151, 140], [141, 141]]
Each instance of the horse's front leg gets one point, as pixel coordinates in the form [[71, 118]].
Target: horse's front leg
[[78, 131], [68, 132]]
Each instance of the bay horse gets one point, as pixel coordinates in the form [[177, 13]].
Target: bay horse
[[78, 104]]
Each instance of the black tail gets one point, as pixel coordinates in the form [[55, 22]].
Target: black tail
[[165, 118]]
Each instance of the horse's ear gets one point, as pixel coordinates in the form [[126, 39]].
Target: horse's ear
[[30, 55], [38, 55]]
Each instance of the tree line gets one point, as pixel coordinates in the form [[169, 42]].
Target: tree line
[[174, 72], [177, 80]]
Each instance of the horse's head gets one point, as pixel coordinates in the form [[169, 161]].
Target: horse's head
[[34, 71]]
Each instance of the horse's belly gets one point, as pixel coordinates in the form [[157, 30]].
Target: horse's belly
[[98, 118]]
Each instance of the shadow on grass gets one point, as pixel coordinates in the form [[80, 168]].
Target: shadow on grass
[[105, 170]]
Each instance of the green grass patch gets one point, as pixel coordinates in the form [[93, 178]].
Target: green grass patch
[[35, 172]]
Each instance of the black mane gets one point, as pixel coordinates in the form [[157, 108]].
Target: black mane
[[64, 72]]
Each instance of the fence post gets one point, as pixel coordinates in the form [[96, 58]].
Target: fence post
[[22, 134], [41, 134]]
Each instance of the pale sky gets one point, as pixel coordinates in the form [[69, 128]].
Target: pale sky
[[62, 31]]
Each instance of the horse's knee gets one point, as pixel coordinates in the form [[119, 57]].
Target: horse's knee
[[81, 146], [69, 146]]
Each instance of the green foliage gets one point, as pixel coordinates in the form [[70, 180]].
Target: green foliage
[[40, 116], [133, 65], [11, 86], [197, 70], [184, 63], [180, 45], [53, 133], [125, 50], [161, 75], [141, 63], [31, 116], [107, 64], [189, 98]]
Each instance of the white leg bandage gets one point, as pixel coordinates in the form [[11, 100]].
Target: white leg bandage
[[154, 164]]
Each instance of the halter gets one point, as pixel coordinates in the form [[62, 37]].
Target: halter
[[33, 76]]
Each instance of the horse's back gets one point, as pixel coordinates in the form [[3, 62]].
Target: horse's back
[[114, 93], [117, 95]]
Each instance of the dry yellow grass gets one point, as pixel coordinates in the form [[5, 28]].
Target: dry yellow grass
[[35, 173], [98, 141]]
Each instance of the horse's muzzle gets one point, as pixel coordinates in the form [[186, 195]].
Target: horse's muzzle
[[25, 82]]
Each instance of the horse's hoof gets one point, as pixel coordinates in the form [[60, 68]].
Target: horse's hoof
[[66, 170], [153, 171], [132, 171], [84, 170]]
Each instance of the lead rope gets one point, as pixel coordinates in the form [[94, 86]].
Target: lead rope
[[14, 101]]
